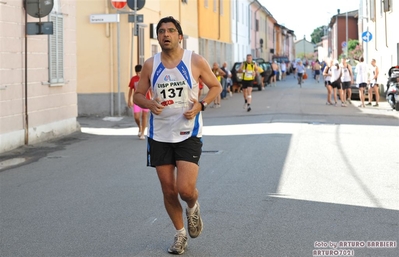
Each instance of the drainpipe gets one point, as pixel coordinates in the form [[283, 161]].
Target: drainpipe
[[249, 22], [108, 34], [219, 20], [256, 51], [386, 30], [236, 21], [26, 79]]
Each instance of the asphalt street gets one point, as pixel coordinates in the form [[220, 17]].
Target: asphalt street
[[293, 177]]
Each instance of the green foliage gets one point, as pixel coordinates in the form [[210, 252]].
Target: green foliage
[[317, 34], [352, 43], [355, 50]]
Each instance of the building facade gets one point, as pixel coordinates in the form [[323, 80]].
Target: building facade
[[38, 81], [379, 18]]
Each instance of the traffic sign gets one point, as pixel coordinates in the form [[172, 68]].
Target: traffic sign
[[119, 4], [139, 4], [367, 36], [38, 8], [104, 18], [139, 18], [343, 44]]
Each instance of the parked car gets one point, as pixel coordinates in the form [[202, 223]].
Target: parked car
[[261, 79], [267, 70]]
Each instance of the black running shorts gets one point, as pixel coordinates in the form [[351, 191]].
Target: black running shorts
[[346, 85], [160, 153], [336, 84], [247, 83]]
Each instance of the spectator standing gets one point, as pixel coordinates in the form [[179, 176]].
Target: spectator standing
[[347, 80], [373, 86], [224, 80], [219, 73], [361, 79], [336, 73], [273, 80], [283, 70], [229, 82], [316, 69], [327, 80], [294, 63]]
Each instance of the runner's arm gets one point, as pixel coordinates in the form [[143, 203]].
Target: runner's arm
[[142, 88]]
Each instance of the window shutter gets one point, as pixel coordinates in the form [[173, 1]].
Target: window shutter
[[56, 50]]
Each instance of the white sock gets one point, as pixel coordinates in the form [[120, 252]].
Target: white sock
[[181, 231], [191, 210]]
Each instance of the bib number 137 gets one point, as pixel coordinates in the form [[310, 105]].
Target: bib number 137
[[172, 92]]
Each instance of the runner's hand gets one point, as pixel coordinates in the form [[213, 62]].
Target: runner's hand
[[156, 106], [190, 114]]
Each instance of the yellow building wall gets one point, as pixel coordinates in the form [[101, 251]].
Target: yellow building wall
[[97, 44], [212, 25]]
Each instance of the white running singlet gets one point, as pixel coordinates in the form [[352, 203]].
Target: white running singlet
[[174, 89]]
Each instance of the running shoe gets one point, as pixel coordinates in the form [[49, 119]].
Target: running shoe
[[179, 245], [343, 105], [349, 101], [368, 104], [194, 222], [249, 109], [376, 105]]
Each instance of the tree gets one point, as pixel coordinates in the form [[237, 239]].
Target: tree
[[317, 34], [355, 50]]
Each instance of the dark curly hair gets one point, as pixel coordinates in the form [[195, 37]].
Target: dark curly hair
[[172, 20]]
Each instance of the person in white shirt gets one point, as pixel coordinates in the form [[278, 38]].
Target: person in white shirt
[[361, 79], [283, 67], [373, 86], [347, 80], [327, 80], [174, 143], [336, 73]]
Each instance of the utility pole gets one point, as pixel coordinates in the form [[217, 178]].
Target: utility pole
[[304, 52], [337, 45]]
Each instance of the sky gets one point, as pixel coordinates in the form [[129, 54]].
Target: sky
[[303, 16]]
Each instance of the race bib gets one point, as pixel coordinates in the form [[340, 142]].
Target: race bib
[[173, 94], [248, 74]]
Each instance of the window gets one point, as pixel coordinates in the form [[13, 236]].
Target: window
[[256, 25], [206, 3], [387, 4], [215, 6], [221, 7], [56, 49], [184, 1], [372, 10], [140, 37], [154, 49]]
